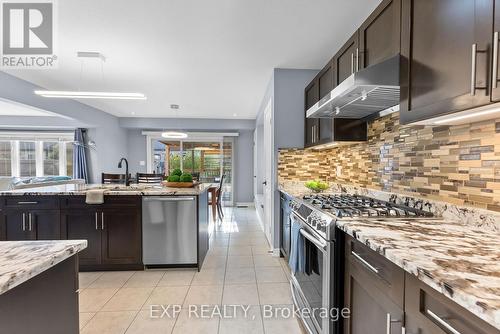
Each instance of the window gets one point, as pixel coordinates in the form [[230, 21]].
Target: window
[[5, 158], [25, 154], [50, 158], [27, 158], [205, 157]]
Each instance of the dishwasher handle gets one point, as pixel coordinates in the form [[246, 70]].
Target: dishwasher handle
[[168, 199]]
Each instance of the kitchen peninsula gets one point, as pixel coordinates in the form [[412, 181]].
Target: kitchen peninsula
[[113, 229], [39, 279]]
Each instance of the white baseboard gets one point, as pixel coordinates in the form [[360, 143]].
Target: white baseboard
[[245, 204]]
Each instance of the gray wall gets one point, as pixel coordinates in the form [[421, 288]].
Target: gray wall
[[286, 90]]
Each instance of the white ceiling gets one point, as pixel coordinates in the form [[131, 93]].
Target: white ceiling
[[213, 58]]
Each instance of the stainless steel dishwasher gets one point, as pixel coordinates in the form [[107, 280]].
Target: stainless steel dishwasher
[[169, 230]]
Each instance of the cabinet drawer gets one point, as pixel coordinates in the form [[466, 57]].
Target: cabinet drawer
[[113, 201], [30, 202], [428, 311], [387, 276]]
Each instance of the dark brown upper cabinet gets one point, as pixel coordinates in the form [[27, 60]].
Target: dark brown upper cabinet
[[495, 83], [326, 82], [311, 131], [446, 55], [346, 59], [380, 34]]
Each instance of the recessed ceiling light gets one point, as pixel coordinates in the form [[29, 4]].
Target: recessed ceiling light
[[174, 106], [174, 135], [90, 95], [234, 115]]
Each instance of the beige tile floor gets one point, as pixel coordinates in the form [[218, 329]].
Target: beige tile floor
[[238, 270]]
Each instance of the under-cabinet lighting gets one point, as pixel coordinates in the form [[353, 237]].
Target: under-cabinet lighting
[[90, 95], [472, 115]]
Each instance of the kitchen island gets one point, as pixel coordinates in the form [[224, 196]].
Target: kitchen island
[[113, 229], [39, 286]]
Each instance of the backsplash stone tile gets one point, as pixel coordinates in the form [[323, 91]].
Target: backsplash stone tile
[[455, 164]]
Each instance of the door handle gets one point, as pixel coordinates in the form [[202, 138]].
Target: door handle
[[24, 221], [352, 63], [311, 238], [357, 59], [30, 223], [167, 199], [27, 202], [102, 221], [389, 321], [494, 77], [363, 261], [473, 70], [96, 223], [443, 323]]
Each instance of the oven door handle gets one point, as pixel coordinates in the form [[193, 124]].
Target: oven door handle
[[321, 245]]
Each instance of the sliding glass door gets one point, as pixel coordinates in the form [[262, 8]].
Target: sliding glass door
[[206, 159]]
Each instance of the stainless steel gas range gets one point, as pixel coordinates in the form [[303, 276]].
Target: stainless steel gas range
[[319, 287]]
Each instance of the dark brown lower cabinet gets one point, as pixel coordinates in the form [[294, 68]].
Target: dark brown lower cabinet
[[114, 236], [83, 224], [16, 226], [373, 292], [121, 236], [31, 224], [429, 312]]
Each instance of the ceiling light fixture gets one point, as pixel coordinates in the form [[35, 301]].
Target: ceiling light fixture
[[174, 135], [90, 95], [79, 94]]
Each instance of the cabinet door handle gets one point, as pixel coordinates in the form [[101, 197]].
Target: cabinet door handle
[[443, 323], [352, 63], [102, 221], [494, 77], [389, 322], [24, 221], [363, 261], [30, 222], [357, 59], [473, 70], [96, 223], [27, 202]]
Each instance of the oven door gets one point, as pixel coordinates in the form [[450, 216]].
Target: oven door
[[311, 290]]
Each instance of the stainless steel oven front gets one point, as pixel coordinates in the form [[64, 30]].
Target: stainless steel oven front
[[312, 290]]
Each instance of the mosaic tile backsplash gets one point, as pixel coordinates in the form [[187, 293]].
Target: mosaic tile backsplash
[[456, 164]]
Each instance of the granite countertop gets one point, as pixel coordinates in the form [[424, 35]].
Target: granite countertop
[[23, 260], [460, 261], [134, 189]]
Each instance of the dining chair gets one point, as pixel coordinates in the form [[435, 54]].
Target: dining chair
[[107, 178], [218, 200], [145, 178]]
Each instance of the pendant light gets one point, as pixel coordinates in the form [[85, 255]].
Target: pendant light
[[69, 94], [174, 134]]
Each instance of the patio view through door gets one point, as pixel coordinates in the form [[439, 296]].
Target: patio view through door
[[206, 159]]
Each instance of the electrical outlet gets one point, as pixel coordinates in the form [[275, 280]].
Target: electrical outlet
[[339, 171], [142, 163]]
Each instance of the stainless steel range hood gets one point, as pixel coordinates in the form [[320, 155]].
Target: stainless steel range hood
[[373, 89]]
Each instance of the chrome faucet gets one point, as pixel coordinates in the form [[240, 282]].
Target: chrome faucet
[[127, 179]]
